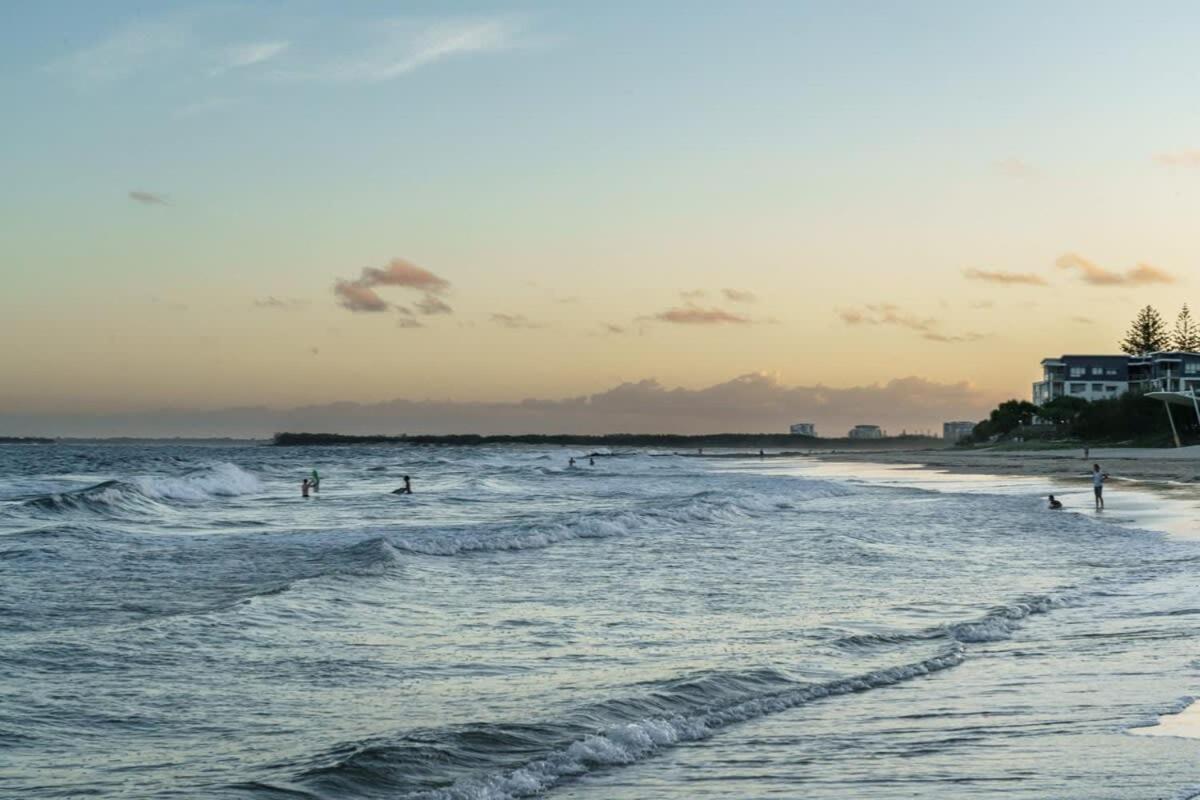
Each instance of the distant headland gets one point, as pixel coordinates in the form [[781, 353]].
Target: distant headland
[[25, 440], [693, 441]]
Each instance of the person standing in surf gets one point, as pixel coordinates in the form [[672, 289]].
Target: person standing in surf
[[1098, 479]]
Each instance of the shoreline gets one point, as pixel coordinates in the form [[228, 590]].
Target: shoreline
[[1173, 466]]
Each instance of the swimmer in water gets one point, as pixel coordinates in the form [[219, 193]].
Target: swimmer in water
[[304, 487], [406, 488], [1054, 504]]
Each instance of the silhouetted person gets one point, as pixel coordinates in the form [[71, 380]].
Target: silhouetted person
[[571, 462], [1054, 504], [591, 461], [304, 487], [761, 454], [1098, 479], [406, 488]]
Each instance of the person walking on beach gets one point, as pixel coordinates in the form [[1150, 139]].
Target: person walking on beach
[[1098, 479]]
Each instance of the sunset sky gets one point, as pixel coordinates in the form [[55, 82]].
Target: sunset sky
[[296, 204]]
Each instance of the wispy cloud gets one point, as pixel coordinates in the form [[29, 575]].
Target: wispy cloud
[[888, 314], [739, 296], [211, 105], [149, 198], [1090, 272], [248, 55], [693, 315], [513, 321], [1180, 158], [281, 304], [1004, 278], [123, 53], [360, 293], [430, 305], [1017, 168], [693, 294], [403, 46]]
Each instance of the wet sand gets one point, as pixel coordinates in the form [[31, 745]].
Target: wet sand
[[1156, 490], [1185, 724], [1167, 465]]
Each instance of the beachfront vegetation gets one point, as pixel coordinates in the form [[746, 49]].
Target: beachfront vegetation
[[1130, 418], [1147, 334]]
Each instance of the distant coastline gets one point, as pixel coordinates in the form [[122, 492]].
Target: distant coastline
[[688, 441], [25, 440]]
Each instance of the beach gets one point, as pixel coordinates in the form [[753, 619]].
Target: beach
[[1173, 465]]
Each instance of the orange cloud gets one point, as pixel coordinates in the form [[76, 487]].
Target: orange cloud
[[1004, 278], [691, 315], [360, 295], [1181, 158], [353, 296], [739, 296], [888, 314], [513, 321], [1096, 275]]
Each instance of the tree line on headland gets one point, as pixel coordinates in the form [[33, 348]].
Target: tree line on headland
[[1130, 418], [683, 441]]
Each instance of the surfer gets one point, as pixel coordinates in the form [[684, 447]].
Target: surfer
[[1054, 504], [315, 481], [571, 461], [304, 487], [406, 488], [1098, 479], [591, 461]]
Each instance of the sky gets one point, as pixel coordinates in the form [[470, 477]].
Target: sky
[[423, 217]]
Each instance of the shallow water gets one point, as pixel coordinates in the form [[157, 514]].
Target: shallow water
[[177, 622]]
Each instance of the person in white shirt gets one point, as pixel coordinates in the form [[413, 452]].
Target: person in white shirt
[[1098, 479]]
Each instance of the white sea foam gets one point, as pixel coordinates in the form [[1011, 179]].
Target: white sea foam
[[631, 742], [218, 480]]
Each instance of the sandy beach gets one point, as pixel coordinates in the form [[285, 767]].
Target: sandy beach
[[1174, 465]]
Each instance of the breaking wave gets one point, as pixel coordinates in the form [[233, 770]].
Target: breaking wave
[[499, 762], [996, 625], [141, 495]]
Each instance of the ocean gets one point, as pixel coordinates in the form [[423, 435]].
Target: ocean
[[177, 622]]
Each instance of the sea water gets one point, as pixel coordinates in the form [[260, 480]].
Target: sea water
[[177, 621]]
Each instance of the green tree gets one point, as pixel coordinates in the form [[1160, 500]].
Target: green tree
[[1065, 409], [1147, 334], [1187, 335], [1004, 419]]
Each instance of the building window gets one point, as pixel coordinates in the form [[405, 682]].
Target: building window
[[1110, 372], [1097, 370], [1078, 372], [1111, 389], [1192, 368], [1078, 388], [1097, 387]]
